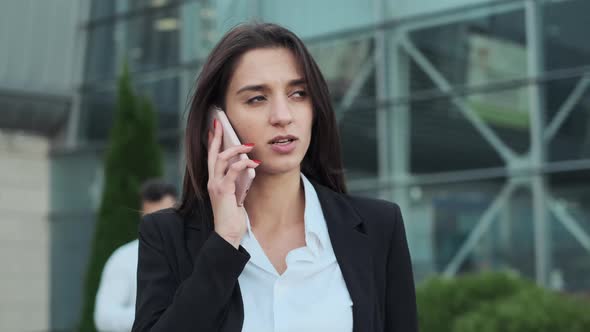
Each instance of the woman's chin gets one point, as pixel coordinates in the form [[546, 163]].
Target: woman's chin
[[278, 167]]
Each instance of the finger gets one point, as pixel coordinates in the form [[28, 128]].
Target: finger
[[224, 157], [214, 147], [236, 168], [209, 138]]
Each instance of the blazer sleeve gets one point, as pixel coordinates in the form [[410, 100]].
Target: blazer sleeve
[[401, 312], [196, 304]]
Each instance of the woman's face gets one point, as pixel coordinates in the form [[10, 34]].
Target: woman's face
[[268, 105]]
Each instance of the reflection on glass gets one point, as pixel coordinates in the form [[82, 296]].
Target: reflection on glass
[[153, 40], [102, 8], [568, 118], [308, 18], [98, 108], [565, 24], [102, 44], [443, 217], [97, 115], [359, 143], [344, 61], [474, 51], [199, 30], [149, 42], [139, 4], [164, 95], [444, 139], [570, 224], [348, 67]]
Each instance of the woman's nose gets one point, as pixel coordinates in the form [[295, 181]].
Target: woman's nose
[[280, 114]]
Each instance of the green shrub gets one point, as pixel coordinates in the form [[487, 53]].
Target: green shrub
[[442, 300], [133, 156], [531, 310], [497, 302]]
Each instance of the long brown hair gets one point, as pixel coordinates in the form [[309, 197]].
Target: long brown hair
[[322, 162]]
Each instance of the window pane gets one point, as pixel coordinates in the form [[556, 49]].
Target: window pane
[[199, 30], [570, 206], [348, 67], [308, 17], [444, 216], [565, 26], [103, 42], [102, 8], [568, 118], [98, 108], [106, 8], [142, 4], [401, 9], [164, 94], [149, 42], [359, 143], [443, 138], [153, 40], [470, 52]]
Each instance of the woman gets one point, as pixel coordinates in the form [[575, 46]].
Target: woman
[[301, 255]]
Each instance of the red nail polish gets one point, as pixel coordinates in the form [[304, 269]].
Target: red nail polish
[[249, 144], [214, 123], [257, 161]]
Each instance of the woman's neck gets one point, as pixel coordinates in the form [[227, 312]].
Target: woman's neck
[[275, 201]]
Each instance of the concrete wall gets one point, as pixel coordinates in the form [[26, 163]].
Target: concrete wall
[[24, 233]]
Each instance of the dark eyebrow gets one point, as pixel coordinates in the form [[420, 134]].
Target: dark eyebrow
[[259, 87], [262, 87], [295, 82]]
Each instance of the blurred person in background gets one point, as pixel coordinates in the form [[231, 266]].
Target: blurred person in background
[[115, 299], [301, 254]]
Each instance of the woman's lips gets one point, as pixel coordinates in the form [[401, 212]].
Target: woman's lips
[[284, 147]]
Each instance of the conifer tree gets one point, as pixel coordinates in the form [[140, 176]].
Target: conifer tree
[[133, 156]]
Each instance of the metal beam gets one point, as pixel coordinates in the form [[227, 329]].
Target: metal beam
[[480, 229], [569, 222], [72, 132], [463, 14], [534, 29], [487, 133], [355, 87], [398, 73], [382, 123], [567, 107]]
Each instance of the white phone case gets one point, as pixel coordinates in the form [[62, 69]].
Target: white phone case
[[230, 138]]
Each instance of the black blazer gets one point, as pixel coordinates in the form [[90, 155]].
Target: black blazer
[[187, 278]]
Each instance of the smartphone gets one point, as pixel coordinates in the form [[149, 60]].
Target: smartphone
[[230, 138]]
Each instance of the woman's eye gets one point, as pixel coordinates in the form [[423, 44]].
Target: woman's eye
[[254, 100], [299, 94]]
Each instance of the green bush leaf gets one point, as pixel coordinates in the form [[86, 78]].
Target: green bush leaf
[[497, 302]]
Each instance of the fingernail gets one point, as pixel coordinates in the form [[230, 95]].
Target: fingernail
[[214, 123], [249, 144], [256, 161]]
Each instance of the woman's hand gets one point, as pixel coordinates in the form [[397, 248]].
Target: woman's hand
[[229, 218]]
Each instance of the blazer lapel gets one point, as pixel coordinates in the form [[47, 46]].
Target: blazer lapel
[[352, 249]]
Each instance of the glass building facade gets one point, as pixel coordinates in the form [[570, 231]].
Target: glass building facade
[[474, 116]]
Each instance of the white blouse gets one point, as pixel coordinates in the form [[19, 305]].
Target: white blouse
[[310, 295]]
